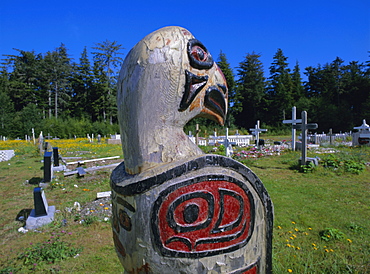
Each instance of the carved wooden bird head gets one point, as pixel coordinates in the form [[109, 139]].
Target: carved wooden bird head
[[167, 79]]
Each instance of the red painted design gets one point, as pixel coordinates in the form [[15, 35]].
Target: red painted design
[[119, 247], [205, 216], [252, 270]]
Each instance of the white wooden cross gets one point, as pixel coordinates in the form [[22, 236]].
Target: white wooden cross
[[293, 121], [304, 127], [330, 134], [256, 131], [228, 147]]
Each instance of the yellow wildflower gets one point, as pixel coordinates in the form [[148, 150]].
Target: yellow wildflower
[[331, 250], [291, 238], [290, 271], [326, 250], [349, 240], [106, 208], [279, 227], [313, 244], [296, 229], [288, 245], [293, 223], [290, 232], [298, 248], [295, 236], [309, 228]]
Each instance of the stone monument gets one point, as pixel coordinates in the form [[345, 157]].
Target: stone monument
[[362, 137], [176, 209], [42, 214]]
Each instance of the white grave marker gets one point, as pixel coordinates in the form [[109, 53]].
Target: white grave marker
[[304, 127], [256, 131], [294, 121]]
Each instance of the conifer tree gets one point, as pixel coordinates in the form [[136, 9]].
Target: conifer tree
[[250, 91], [107, 56], [82, 87], [280, 89], [228, 73]]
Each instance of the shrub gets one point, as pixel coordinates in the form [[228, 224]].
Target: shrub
[[50, 251]]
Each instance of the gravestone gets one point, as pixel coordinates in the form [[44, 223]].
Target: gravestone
[[56, 156], [256, 132], [304, 126], [48, 170], [176, 209], [42, 214], [293, 121]]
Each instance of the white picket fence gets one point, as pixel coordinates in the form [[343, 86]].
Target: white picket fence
[[235, 140], [324, 138]]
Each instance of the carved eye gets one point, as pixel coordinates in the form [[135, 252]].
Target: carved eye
[[199, 54], [199, 57]]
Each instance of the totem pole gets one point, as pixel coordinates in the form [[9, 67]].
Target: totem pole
[[176, 209]]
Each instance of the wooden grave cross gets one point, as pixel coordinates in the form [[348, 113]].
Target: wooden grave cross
[[197, 130], [256, 131], [293, 121], [330, 134], [304, 126]]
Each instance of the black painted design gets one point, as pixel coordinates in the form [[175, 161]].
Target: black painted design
[[180, 229], [191, 213], [193, 85], [199, 56], [228, 227], [215, 101], [125, 204]]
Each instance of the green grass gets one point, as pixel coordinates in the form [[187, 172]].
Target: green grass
[[308, 207], [312, 203]]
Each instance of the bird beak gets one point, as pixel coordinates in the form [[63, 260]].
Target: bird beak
[[207, 93]]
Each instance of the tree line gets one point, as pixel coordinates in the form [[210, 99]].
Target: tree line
[[54, 93], [335, 95]]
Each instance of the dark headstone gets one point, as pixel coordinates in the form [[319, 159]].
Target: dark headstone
[[42, 214], [55, 156], [40, 202], [47, 166]]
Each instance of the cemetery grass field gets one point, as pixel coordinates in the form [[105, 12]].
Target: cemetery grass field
[[321, 224]]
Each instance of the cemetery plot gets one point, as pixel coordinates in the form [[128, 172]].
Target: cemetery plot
[[314, 202]]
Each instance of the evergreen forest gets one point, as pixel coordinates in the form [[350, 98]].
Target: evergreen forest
[[64, 97]]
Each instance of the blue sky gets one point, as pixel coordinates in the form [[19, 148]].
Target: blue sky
[[311, 32]]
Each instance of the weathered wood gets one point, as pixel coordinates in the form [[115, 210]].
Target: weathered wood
[[93, 160], [175, 209]]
